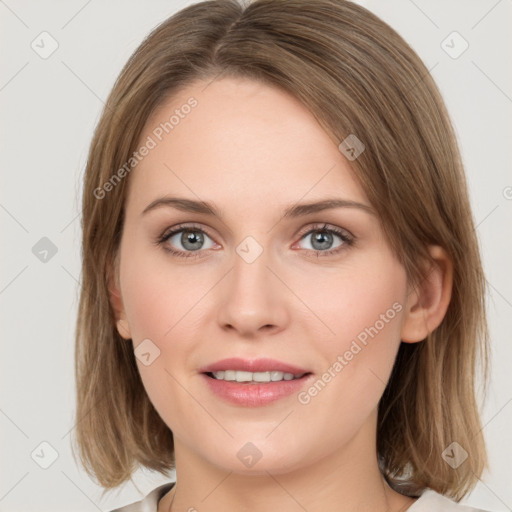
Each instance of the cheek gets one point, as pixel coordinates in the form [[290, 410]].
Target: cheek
[[156, 293], [156, 302], [160, 300], [353, 299], [362, 307]]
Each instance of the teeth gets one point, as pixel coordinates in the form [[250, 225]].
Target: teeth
[[242, 376]]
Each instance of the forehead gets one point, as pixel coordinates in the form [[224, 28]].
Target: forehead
[[239, 141]]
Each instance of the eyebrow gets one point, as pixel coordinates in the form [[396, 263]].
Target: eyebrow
[[293, 211]]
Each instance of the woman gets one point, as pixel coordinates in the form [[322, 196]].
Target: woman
[[282, 292]]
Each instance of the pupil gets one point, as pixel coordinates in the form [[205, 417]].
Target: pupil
[[323, 238], [191, 240]]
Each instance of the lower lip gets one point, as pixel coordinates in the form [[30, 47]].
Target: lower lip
[[255, 395]]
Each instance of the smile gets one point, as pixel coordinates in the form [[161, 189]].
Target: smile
[[244, 376], [249, 392]]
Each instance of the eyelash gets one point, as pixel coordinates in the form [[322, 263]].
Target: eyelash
[[348, 240]]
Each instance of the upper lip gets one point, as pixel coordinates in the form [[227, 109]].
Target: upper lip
[[253, 365]]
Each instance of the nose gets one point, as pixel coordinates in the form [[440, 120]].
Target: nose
[[252, 300]]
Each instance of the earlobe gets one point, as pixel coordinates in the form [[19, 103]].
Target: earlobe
[[117, 304], [428, 302], [123, 329]]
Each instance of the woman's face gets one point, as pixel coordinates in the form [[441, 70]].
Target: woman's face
[[317, 290]]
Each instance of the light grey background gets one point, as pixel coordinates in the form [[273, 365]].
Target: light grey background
[[49, 108]]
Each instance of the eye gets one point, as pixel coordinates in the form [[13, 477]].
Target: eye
[[185, 241], [323, 240]]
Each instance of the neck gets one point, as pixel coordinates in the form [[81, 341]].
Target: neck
[[348, 480]]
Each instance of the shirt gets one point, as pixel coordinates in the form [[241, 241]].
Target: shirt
[[429, 501]]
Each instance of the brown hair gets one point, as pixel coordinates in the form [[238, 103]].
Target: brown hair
[[357, 76]]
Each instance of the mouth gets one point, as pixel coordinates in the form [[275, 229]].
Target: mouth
[[258, 367], [245, 377], [254, 383]]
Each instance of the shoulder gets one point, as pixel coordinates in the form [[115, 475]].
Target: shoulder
[[149, 503], [431, 501]]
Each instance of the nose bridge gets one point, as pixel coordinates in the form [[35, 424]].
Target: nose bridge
[[252, 298], [250, 267]]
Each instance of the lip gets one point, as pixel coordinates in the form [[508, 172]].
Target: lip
[[254, 394], [253, 365]]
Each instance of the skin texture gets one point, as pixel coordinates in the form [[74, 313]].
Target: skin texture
[[252, 151]]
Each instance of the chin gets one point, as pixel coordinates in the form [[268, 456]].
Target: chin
[[256, 457]]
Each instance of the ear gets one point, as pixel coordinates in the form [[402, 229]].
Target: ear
[[427, 302], [116, 300]]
